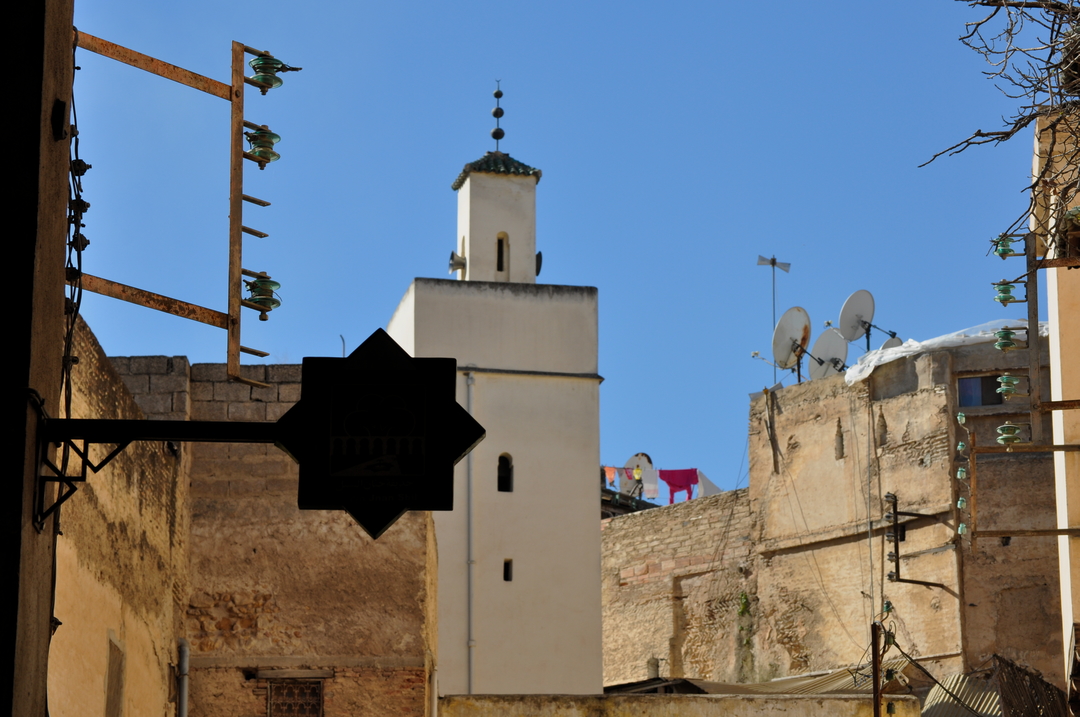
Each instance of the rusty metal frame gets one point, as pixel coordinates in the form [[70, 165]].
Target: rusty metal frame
[[234, 94], [894, 518], [1016, 448]]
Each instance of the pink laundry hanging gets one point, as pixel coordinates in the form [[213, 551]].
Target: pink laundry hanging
[[679, 481]]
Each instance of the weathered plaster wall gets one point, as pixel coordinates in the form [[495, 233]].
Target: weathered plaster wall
[[277, 588], [822, 456], [814, 556], [122, 560], [669, 706]]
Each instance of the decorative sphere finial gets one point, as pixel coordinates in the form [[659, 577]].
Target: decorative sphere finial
[[497, 133]]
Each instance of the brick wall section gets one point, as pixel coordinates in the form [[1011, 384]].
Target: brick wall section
[[351, 691], [677, 585]]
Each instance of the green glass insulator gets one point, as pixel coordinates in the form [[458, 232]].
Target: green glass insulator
[[961, 473], [262, 293], [961, 446], [264, 287], [961, 503], [1005, 345], [962, 529], [267, 302], [1003, 246], [1009, 429], [267, 155], [1004, 296], [273, 80], [961, 418], [266, 63], [263, 137], [1008, 440]]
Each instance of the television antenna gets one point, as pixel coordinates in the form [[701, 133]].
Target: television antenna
[[828, 355], [790, 339], [856, 318], [783, 266]]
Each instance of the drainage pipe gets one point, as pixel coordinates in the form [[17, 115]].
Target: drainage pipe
[[470, 380], [183, 653]]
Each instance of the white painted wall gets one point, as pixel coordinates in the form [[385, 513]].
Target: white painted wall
[[540, 632], [490, 205], [533, 349]]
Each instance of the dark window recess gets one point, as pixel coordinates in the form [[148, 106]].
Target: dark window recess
[[294, 699], [978, 391], [506, 474], [508, 570], [499, 257]]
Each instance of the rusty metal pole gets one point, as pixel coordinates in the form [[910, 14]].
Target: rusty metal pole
[[875, 664], [974, 492], [1034, 350], [236, 203]]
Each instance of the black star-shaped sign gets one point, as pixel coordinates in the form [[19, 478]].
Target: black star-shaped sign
[[378, 433]]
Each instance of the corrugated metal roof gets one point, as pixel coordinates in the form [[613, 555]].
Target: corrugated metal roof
[[977, 691], [1006, 690], [845, 681], [495, 163]]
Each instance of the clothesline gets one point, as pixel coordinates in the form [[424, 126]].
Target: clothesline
[[678, 480]]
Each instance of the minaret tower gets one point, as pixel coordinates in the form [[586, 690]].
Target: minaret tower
[[497, 216], [519, 555]]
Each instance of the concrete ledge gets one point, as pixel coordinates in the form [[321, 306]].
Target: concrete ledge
[[671, 705], [307, 662]]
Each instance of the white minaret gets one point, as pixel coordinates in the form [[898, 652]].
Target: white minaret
[[497, 219], [519, 556], [497, 216]]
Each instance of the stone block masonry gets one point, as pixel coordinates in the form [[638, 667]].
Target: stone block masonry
[[273, 587], [677, 585]]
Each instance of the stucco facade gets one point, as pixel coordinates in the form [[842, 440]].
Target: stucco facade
[[786, 576], [519, 591]]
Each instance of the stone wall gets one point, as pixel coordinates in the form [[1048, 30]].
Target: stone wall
[[300, 592], [205, 541], [672, 706], [122, 560], [785, 578], [678, 585]]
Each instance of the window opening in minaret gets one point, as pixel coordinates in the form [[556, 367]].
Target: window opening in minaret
[[506, 473]]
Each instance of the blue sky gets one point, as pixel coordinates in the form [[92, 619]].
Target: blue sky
[[678, 141]]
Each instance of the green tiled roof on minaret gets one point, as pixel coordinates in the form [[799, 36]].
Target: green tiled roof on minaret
[[495, 163]]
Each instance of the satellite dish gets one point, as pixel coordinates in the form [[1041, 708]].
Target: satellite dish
[[858, 311], [829, 354], [791, 337], [892, 343]]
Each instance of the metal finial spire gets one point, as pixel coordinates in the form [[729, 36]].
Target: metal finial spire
[[497, 113]]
